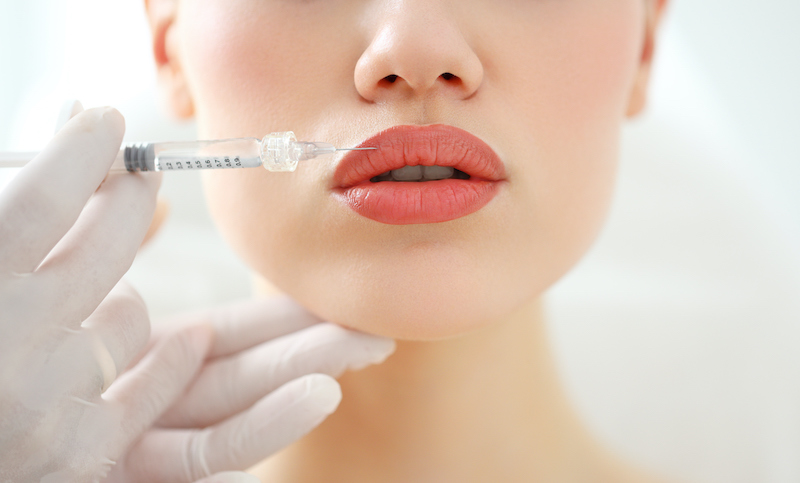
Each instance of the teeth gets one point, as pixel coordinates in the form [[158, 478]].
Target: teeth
[[421, 173], [409, 173], [438, 172]]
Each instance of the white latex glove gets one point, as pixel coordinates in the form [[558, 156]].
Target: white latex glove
[[261, 388], [67, 326], [65, 243]]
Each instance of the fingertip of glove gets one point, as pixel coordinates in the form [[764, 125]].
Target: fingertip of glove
[[382, 348], [113, 118], [323, 392], [105, 120]]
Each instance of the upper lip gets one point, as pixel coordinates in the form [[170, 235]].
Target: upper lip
[[438, 144]]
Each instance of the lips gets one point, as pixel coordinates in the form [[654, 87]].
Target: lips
[[401, 202]]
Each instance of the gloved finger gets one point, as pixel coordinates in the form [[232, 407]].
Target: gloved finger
[[85, 362], [63, 366], [145, 391], [122, 327], [246, 324], [183, 456], [227, 386], [230, 477], [69, 109], [273, 423], [95, 254], [46, 197]]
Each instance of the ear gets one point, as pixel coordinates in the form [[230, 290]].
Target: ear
[[638, 97], [171, 78]]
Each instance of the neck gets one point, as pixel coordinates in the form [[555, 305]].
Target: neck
[[482, 407]]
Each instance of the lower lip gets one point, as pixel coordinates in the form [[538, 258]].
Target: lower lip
[[407, 203]]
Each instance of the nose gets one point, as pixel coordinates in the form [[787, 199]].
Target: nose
[[417, 50]]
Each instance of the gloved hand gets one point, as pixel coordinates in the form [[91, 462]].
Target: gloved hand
[[68, 326], [261, 388]]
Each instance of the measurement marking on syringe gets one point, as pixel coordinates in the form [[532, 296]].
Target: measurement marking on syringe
[[224, 163]]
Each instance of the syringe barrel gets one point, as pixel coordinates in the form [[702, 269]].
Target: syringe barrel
[[172, 156]]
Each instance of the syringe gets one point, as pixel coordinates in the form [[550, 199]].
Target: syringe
[[279, 151]]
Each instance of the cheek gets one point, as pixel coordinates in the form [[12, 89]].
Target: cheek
[[262, 217], [242, 56], [573, 77], [251, 72]]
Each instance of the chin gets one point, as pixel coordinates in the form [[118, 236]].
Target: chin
[[422, 302], [435, 318], [422, 322]]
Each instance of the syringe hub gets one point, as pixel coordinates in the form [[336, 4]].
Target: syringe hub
[[280, 151]]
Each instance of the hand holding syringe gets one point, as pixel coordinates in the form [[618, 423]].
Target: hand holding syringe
[[279, 151], [83, 395]]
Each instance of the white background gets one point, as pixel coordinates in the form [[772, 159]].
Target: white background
[[677, 335]]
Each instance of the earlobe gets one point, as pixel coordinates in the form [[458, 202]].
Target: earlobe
[[172, 81], [638, 95]]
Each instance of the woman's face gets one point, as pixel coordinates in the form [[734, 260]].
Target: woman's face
[[544, 83]]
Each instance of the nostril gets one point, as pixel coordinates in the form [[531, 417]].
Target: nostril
[[390, 78], [447, 76]]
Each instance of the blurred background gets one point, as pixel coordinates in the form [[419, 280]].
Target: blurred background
[[677, 336]]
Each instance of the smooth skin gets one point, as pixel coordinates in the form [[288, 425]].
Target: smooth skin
[[472, 393]]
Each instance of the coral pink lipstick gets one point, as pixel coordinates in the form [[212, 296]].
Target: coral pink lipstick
[[467, 175]]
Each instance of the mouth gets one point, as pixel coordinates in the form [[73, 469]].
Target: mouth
[[419, 174]]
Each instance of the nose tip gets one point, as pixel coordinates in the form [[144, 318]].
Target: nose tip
[[409, 58]]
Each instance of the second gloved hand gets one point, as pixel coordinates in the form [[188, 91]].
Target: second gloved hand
[[267, 382]]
